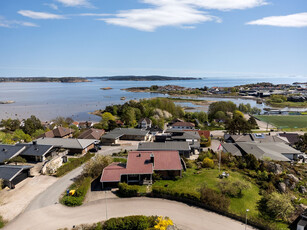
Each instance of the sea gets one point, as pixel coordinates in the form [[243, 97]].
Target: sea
[[76, 100]]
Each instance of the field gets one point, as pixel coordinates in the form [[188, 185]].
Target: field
[[284, 122]]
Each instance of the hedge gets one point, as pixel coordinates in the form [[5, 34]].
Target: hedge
[[72, 164], [130, 223], [126, 190], [81, 186]]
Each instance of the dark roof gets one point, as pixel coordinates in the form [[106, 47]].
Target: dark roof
[[92, 134], [291, 137], [9, 172], [231, 148], [118, 132], [9, 151], [35, 149], [184, 135], [164, 146], [58, 132]]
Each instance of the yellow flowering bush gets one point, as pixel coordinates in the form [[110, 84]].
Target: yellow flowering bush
[[163, 222]]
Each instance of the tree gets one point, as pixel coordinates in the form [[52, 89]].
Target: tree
[[95, 166], [31, 125], [279, 205], [238, 125], [225, 106], [302, 143], [220, 115], [37, 133], [255, 111], [17, 160], [238, 113], [11, 125], [129, 117], [253, 123], [105, 118], [251, 162]]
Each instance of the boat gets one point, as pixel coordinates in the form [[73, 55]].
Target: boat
[[123, 98]]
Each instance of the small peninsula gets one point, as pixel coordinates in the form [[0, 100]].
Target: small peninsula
[[44, 79]]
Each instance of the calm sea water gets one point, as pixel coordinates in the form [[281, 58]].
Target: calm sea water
[[76, 100]]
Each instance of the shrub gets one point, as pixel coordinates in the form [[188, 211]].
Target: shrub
[[162, 192], [72, 164], [208, 163], [130, 223], [1, 184], [81, 185], [214, 199], [127, 190], [234, 188]]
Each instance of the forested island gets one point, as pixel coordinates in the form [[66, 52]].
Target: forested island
[[44, 79], [143, 78]]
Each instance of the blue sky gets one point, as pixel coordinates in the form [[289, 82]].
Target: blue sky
[[200, 38]]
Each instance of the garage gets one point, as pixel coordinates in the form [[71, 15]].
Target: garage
[[14, 174]]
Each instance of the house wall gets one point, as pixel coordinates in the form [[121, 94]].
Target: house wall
[[182, 127], [168, 174]]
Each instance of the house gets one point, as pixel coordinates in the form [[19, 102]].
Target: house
[[35, 152], [76, 123], [254, 137], [144, 123], [274, 151], [292, 138], [85, 124], [140, 168], [302, 224], [182, 147], [74, 146], [59, 132], [182, 125], [8, 152], [13, 174], [92, 134], [117, 134]]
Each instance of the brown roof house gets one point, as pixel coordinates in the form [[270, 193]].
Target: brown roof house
[[59, 132], [182, 125], [92, 134], [140, 167]]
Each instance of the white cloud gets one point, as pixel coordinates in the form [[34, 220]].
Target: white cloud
[[292, 20], [180, 13], [39, 15], [14, 23], [94, 15], [52, 6], [75, 3]]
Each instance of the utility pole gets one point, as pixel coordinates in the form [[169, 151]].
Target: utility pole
[[247, 210]]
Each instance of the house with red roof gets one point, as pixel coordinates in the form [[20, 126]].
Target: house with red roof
[[140, 167]]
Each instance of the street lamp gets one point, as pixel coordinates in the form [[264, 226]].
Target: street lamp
[[247, 210]]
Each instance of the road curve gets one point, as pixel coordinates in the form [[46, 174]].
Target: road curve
[[186, 217]]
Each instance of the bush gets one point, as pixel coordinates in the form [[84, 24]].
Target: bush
[[81, 186], [214, 199], [233, 189], [1, 184], [162, 192], [130, 223], [279, 205], [208, 163], [72, 164], [2, 223], [127, 190]]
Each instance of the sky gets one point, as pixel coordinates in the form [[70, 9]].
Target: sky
[[200, 38]]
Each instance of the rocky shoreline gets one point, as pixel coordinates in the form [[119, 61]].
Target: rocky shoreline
[[6, 102]]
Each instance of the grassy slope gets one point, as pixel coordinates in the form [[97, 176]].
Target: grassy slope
[[193, 181], [291, 121]]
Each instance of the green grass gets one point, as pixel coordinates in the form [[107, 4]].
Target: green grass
[[287, 104], [285, 122], [193, 180]]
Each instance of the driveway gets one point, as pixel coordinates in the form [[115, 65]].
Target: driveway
[[185, 217]]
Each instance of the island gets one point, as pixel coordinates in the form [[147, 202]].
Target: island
[[6, 102], [106, 88], [143, 78], [44, 79]]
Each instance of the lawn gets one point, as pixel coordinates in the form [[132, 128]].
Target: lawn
[[193, 180], [285, 122]]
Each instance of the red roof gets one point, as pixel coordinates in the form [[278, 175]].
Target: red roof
[[139, 162], [205, 133]]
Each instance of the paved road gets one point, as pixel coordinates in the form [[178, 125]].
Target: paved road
[[186, 217]]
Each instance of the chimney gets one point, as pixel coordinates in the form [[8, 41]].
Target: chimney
[[34, 142], [152, 159]]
